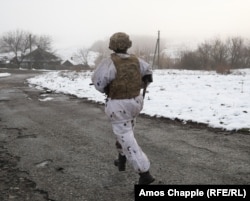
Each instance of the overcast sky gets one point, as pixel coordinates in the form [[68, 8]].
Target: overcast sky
[[82, 22]]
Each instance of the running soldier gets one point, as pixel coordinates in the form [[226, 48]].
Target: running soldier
[[121, 77]]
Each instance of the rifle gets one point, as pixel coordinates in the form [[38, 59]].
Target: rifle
[[146, 80], [144, 88]]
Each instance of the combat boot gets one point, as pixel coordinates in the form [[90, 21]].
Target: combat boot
[[145, 178], [121, 162]]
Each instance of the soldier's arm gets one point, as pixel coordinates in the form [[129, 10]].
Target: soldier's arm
[[103, 75]]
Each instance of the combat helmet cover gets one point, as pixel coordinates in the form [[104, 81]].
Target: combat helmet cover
[[119, 41]]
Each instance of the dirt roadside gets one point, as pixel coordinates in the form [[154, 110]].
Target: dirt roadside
[[63, 149]]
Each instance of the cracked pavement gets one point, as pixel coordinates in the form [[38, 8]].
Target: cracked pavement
[[63, 149]]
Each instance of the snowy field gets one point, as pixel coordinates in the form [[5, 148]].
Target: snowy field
[[220, 101]]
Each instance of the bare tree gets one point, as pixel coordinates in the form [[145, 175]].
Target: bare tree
[[246, 56], [21, 42], [204, 55], [218, 55], [189, 60], [82, 56], [17, 42], [236, 48], [44, 42], [219, 52]]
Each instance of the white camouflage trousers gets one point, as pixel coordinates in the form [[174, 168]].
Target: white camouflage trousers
[[122, 114]]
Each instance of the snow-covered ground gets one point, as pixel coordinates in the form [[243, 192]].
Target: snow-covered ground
[[4, 74], [220, 101]]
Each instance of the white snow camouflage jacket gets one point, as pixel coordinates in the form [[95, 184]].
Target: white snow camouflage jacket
[[103, 75]]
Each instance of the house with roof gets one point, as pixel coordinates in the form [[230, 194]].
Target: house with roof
[[69, 62], [40, 59], [5, 59], [74, 64]]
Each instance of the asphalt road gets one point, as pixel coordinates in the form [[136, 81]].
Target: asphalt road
[[63, 149]]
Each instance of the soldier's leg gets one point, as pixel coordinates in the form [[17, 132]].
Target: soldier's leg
[[121, 161], [130, 148]]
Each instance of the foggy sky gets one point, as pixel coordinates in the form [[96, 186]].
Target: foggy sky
[[82, 22]]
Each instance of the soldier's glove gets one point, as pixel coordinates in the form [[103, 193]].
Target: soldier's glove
[[146, 79], [106, 90]]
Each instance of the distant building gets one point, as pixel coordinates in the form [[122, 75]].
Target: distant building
[[4, 60], [67, 63], [40, 59], [74, 64]]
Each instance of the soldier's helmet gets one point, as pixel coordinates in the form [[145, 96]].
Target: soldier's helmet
[[119, 41]]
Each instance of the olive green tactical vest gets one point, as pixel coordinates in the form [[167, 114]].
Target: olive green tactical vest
[[127, 83]]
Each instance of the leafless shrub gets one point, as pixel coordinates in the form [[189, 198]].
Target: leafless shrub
[[223, 69]]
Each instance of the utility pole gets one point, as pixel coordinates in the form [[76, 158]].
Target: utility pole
[[157, 51], [30, 42]]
